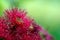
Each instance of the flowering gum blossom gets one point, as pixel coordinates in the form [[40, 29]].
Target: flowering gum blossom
[[16, 25]]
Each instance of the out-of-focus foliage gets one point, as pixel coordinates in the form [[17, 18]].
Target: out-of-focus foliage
[[4, 4], [45, 12]]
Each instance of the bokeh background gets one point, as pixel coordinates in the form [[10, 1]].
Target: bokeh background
[[45, 12]]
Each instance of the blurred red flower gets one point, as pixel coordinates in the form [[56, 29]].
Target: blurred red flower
[[16, 25]]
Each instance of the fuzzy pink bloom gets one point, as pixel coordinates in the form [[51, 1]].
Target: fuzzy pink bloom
[[16, 25]]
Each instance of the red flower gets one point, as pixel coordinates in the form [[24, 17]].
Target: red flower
[[16, 25]]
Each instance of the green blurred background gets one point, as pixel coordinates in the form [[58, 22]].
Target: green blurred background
[[45, 12]]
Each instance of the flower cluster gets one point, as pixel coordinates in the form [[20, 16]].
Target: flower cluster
[[16, 25]]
